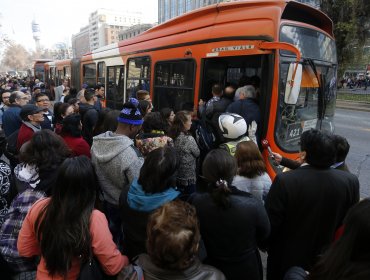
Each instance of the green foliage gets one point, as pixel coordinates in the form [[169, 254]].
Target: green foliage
[[351, 19], [352, 96]]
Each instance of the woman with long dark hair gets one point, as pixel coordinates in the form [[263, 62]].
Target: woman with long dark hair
[[154, 187], [187, 152], [62, 110], [168, 117], [233, 223], [40, 159], [145, 107], [65, 230]]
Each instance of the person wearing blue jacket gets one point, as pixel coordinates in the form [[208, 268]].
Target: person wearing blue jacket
[[155, 186], [11, 118]]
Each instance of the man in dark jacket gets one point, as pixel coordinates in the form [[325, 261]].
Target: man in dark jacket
[[214, 109], [42, 101], [307, 205], [11, 119], [89, 115], [247, 107], [341, 146]]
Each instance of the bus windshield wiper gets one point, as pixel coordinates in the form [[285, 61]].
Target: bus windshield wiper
[[321, 91]]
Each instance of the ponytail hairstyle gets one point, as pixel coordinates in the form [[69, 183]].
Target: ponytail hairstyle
[[63, 226], [219, 169]]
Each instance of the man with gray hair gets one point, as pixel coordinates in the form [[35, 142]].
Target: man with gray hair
[[247, 107], [11, 119]]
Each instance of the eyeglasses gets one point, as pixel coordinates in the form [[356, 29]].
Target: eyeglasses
[[6, 97], [43, 100]]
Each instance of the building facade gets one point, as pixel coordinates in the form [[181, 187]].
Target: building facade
[[168, 9], [81, 42], [134, 31], [103, 29], [104, 26]]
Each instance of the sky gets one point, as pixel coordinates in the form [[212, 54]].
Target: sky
[[58, 20]]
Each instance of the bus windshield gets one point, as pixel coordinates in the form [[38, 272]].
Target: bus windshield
[[316, 102], [314, 109], [311, 43]]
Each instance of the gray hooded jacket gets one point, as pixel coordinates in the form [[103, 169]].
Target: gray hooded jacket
[[117, 162]]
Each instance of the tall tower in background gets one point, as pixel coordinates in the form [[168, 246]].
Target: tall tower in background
[[36, 34]]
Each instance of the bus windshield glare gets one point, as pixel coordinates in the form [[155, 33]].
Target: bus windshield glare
[[311, 43], [316, 102]]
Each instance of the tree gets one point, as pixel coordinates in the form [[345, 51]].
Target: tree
[[340, 12], [16, 57], [351, 19]]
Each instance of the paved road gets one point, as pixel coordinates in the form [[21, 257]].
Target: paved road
[[355, 126], [355, 90]]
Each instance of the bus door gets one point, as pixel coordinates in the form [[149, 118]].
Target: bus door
[[138, 75], [89, 74], [67, 74], [240, 71], [115, 87], [40, 72], [52, 80], [60, 77]]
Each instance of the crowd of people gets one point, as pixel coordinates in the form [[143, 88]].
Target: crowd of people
[[143, 194], [355, 82]]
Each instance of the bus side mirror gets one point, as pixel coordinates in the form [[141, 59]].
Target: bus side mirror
[[293, 83]]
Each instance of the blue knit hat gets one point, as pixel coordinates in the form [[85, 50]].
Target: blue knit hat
[[130, 113]]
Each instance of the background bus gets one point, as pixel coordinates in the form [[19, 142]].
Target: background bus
[[178, 62], [39, 69]]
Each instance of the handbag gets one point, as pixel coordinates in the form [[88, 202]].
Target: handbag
[[91, 270]]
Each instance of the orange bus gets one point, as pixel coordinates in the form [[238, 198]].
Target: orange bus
[[289, 46], [59, 70], [39, 69]]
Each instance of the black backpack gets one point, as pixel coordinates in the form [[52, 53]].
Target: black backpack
[[204, 136], [11, 151]]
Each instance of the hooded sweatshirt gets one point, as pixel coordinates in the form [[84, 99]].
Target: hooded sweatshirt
[[117, 162]]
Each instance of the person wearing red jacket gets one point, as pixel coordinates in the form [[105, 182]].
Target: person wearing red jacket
[[71, 134], [32, 117]]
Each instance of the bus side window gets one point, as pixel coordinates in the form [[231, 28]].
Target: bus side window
[[101, 72], [52, 76], [60, 77], [67, 72], [89, 74], [174, 85], [115, 87], [138, 75]]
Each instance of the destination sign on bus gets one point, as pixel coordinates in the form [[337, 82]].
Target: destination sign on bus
[[233, 48]]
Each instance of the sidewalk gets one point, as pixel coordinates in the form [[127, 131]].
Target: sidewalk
[[353, 105]]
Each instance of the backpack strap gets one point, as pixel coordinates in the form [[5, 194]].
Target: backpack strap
[[139, 272]]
